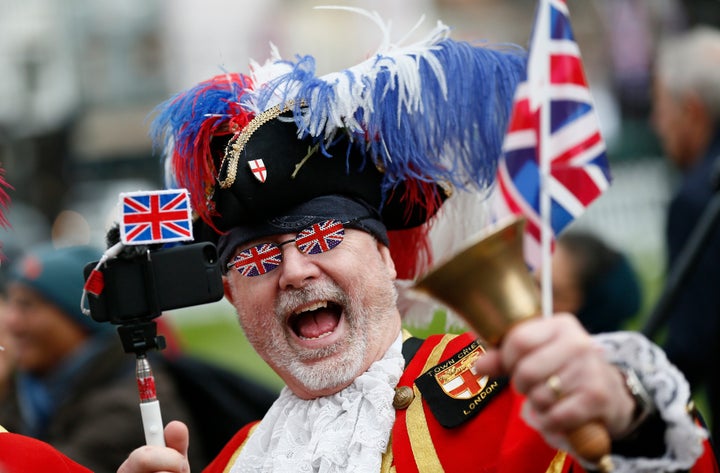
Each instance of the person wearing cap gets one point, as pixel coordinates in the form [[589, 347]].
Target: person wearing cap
[[20, 453], [73, 388], [319, 192], [594, 281]]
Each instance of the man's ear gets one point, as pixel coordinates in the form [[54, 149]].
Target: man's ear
[[387, 259], [228, 290]]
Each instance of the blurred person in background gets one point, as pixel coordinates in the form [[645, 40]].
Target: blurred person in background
[[11, 253], [73, 387], [7, 355], [20, 453], [686, 117], [594, 281]]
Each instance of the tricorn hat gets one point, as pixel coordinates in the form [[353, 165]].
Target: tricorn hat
[[398, 132]]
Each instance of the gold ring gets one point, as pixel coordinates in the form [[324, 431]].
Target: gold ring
[[553, 382]]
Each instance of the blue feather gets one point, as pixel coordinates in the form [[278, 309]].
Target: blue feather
[[184, 126], [431, 112]]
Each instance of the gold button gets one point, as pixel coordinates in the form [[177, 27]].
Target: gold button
[[404, 395]]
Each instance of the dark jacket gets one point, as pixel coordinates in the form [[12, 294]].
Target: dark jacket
[[99, 423], [694, 317]]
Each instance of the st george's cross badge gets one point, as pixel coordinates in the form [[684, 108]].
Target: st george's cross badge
[[454, 391], [257, 166], [460, 381]]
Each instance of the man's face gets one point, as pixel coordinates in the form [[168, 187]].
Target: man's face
[[7, 353], [673, 125], [320, 320], [42, 334], [567, 293]]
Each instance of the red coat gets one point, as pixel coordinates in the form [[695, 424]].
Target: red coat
[[487, 437], [21, 454]]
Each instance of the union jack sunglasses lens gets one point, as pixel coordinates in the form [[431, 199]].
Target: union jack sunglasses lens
[[315, 239], [320, 237], [257, 260]]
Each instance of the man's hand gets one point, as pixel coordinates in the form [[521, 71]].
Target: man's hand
[[563, 373], [170, 459]]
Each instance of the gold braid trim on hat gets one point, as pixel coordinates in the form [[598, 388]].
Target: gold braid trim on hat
[[238, 142]]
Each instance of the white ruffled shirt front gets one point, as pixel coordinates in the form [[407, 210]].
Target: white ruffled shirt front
[[346, 432]]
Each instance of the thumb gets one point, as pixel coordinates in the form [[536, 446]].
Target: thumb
[[490, 363], [177, 437]]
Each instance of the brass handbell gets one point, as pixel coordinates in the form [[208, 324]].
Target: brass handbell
[[488, 284]]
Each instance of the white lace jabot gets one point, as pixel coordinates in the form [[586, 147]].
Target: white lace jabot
[[346, 432]]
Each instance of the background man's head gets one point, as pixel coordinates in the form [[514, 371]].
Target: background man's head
[[686, 94], [594, 281], [44, 315]]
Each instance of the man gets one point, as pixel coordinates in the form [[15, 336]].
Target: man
[[594, 281], [74, 388], [319, 192], [686, 116]]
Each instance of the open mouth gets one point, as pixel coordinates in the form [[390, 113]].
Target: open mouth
[[316, 321]]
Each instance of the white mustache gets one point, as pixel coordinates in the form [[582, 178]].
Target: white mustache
[[288, 301]]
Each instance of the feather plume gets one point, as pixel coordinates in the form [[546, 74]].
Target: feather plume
[[428, 113], [433, 111], [4, 199], [184, 127]]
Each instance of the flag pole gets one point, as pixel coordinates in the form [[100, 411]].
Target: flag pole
[[546, 232]]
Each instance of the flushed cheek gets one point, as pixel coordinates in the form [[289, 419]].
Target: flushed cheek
[[261, 327]]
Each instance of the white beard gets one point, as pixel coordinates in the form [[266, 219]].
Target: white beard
[[345, 432]]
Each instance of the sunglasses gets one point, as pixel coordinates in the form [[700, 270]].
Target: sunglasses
[[317, 238]]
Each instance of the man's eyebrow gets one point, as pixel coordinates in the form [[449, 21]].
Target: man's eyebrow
[[275, 238]]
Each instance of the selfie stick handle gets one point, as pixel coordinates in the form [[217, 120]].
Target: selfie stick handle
[[149, 405]]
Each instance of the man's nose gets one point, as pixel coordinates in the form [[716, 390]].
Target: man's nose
[[297, 268]]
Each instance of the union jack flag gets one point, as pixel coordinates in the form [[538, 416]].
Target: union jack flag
[[258, 259], [320, 237], [155, 217], [578, 166]]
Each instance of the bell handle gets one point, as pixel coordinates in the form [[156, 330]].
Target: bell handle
[[592, 443]]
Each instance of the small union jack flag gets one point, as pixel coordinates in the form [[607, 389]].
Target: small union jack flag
[[155, 217], [320, 237], [553, 115], [257, 260]]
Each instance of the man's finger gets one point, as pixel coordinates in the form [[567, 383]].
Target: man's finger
[[177, 437]]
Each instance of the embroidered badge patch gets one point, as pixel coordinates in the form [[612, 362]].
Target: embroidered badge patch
[[257, 166], [454, 392]]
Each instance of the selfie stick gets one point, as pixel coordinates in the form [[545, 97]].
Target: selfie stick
[[149, 405], [139, 336]]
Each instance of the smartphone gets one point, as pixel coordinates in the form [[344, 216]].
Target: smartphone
[[141, 287]]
